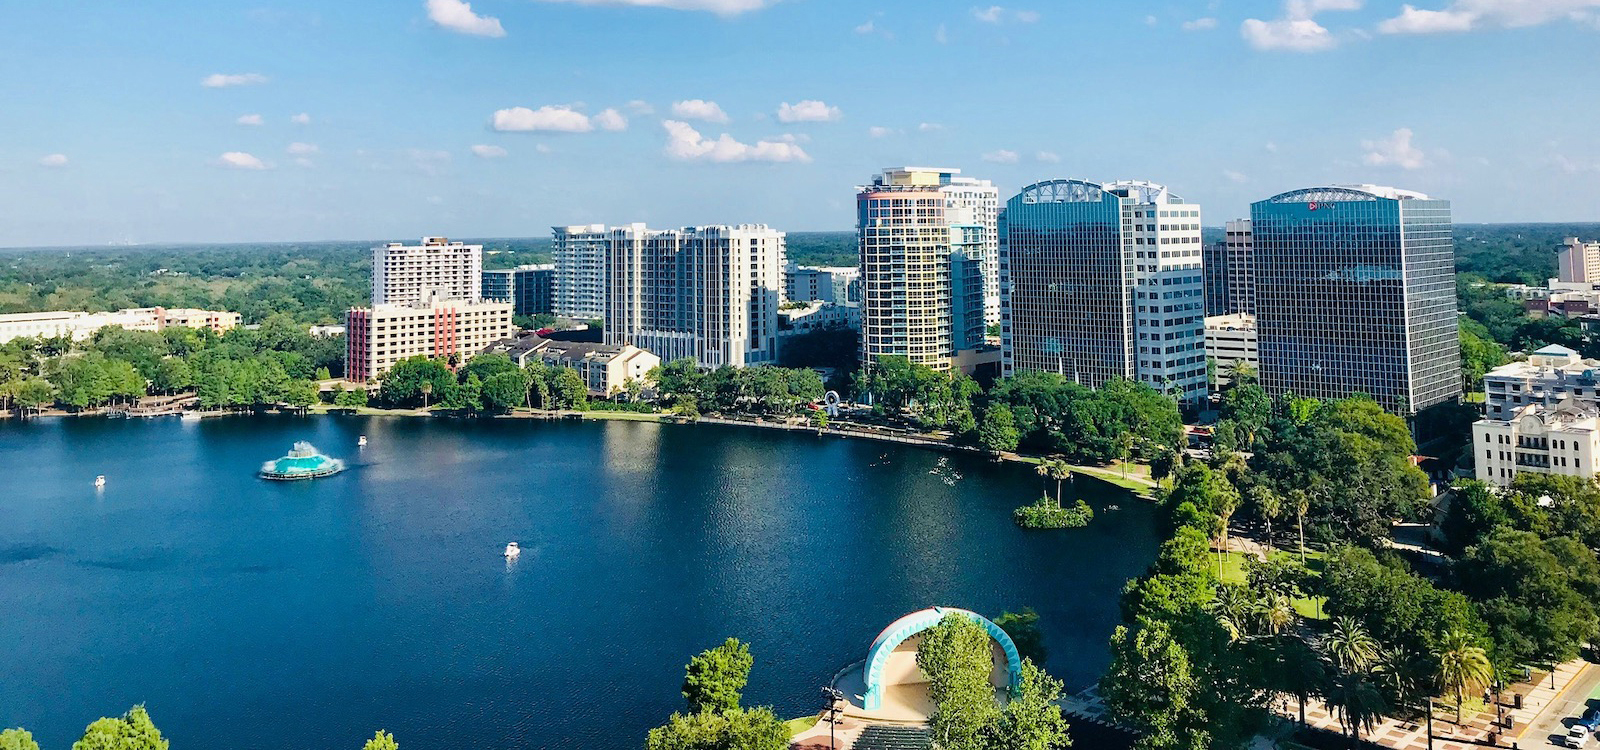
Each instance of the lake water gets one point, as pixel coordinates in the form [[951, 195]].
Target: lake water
[[251, 614]]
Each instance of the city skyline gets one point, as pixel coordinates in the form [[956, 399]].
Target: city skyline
[[300, 122]]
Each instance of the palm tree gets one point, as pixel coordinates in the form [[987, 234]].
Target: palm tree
[[1059, 470], [1402, 673], [1268, 503], [1233, 609], [1302, 505], [427, 388], [1349, 647], [1303, 675], [1043, 469], [1463, 666], [1358, 702], [1276, 613]]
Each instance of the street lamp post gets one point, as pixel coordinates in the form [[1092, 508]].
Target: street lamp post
[[832, 695]]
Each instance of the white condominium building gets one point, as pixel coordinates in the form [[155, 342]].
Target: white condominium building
[[80, 326], [1563, 439], [711, 293], [1578, 262], [1104, 281], [923, 236], [580, 260], [1548, 376], [403, 274], [379, 336], [840, 285]]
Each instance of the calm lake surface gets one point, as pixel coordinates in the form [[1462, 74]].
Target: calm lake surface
[[250, 614]]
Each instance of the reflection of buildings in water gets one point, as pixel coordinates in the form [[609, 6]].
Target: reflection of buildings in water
[[630, 447]]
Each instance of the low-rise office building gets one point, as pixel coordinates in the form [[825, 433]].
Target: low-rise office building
[[607, 369], [1563, 439], [79, 326], [379, 336], [837, 284], [1545, 378], [817, 316]]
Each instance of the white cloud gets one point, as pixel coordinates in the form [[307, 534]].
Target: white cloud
[[719, 7], [302, 149], [240, 160], [641, 107], [699, 109], [610, 119], [549, 118], [1200, 24], [1467, 15], [1002, 156], [249, 120], [301, 119], [1151, 20], [809, 110], [1233, 176], [488, 152], [1297, 30], [929, 127], [457, 15], [684, 143], [878, 131], [224, 80], [54, 160], [990, 14], [1394, 151], [865, 28], [1048, 157]]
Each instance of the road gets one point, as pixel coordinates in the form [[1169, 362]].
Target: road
[[1550, 726]]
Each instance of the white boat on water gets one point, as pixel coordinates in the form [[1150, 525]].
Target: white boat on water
[[190, 416], [512, 550], [362, 442], [100, 481]]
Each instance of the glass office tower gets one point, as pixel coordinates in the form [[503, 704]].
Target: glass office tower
[[1355, 293], [1104, 281]]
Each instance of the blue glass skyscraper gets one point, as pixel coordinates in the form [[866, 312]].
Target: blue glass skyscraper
[[1355, 293]]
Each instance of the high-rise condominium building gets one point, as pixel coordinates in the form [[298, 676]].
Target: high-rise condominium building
[[1241, 273], [530, 288], [1578, 262], [1104, 281], [580, 282], [711, 293], [923, 235], [379, 336], [1355, 292], [1214, 272], [403, 274]]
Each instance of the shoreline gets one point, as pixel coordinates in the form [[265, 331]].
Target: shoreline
[[1139, 486]]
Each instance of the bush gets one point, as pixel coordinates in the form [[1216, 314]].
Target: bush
[[637, 407], [1045, 515]]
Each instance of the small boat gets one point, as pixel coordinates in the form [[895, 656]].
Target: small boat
[[362, 442], [190, 416], [512, 550], [100, 481]]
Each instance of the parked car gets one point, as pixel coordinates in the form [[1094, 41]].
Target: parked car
[[1577, 736], [1590, 720]]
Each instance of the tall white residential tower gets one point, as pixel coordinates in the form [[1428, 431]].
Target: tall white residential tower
[[406, 274], [580, 260]]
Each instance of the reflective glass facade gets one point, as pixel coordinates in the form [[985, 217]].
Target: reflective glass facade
[[1103, 282], [1355, 293]]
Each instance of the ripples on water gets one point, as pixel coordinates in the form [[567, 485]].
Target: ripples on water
[[379, 597]]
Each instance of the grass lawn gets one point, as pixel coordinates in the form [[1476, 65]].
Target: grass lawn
[[627, 416], [796, 726], [1233, 572]]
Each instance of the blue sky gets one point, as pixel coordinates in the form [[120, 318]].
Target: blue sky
[[180, 120]]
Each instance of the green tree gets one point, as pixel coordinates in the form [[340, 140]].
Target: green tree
[[34, 393], [354, 398], [132, 731], [1462, 665], [1349, 647], [568, 389], [172, 375], [505, 391], [715, 679], [1152, 687], [735, 729], [1537, 595], [17, 739], [1032, 719], [955, 656], [678, 381], [1023, 627], [381, 741], [300, 393]]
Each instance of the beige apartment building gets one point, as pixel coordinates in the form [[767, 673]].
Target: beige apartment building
[[79, 326], [379, 336]]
